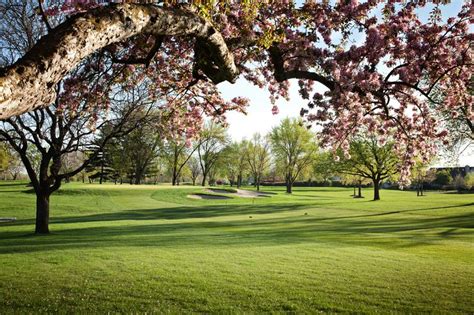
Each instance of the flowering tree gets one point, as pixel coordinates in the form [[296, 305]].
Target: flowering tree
[[376, 63]]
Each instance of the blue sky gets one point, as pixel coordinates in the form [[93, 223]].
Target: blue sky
[[260, 118]]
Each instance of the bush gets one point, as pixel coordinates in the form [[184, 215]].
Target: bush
[[442, 178], [469, 181], [459, 183]]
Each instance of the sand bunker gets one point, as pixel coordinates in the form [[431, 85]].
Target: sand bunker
[[252, 194], [221, 191], [241, 192], [207, 196], [238, 192]]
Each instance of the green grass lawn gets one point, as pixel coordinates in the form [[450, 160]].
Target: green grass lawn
[[152, 249]]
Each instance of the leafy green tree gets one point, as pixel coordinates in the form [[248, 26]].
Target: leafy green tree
[[324, 166], [293, 147], [235, 162], [258, 157], [370, 160], [459, 183], [213, 139], [194, 168], [142, 147], [421, 174], [4, 157], [469, 180], [177, 152], [356, 181], [442, 178]]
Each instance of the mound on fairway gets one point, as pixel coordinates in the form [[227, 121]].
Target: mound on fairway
[[207, 196]]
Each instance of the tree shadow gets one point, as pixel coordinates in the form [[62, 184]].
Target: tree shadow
[[170, 228], [175, 213]]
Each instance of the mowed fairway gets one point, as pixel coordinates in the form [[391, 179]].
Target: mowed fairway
[[150, 248]]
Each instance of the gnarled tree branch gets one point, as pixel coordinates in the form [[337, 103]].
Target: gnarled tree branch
[[30, 82], [282, 74]]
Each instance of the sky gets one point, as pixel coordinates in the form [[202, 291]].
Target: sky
[[259, 116]]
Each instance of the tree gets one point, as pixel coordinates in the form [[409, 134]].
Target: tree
[[235, 162], [459, 183], [370, 160], [72, 161], [178, 151], [213, 139], [240, 159], [4, 157], [194, 168], [356, 181], [324, 166], [443, 178], [54, 136], [293, 146], [142, 148], [10, 163], [383, 81], [421, 174], [469, 181], [258, 157], [100, 166]]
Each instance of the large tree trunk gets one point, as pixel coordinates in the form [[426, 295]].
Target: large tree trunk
[[42, 213], [204, 177], [138, 178], [101, 179], [31, 81], [289, 184], [376, 189], [239, 181], [359, 195]]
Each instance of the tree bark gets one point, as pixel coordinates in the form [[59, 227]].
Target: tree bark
[[360, 190], [376, 189], [289, 184], [29, 83], [239, 181], [101, 178], [204, 177], [42, 213]]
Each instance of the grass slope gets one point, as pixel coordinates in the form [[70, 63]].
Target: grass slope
[[150, 248]]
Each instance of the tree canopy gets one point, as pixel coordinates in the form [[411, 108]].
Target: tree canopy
[[376, 63]]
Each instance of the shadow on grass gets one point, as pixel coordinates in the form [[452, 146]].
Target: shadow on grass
[[375, 229], [9, 184]]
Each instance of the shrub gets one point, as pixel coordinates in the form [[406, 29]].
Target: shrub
[[469, 181], [459, 183]]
